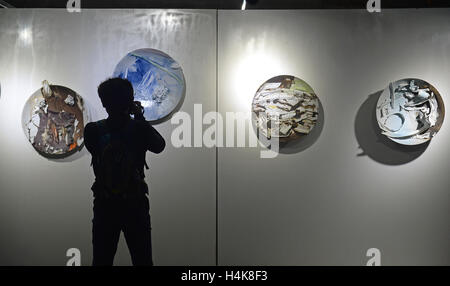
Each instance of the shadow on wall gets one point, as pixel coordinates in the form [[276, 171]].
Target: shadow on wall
[[377, 146]]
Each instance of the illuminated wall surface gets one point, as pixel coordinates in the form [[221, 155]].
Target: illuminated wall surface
[[347, 189], [46, 205]]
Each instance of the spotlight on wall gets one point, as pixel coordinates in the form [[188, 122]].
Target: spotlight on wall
[[25, 35], [244, 3]]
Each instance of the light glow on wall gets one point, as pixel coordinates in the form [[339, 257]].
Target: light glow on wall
[[26, 36], [255, 65]]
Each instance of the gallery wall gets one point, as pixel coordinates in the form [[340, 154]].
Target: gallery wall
[[330, 203], [340, 192], [46, 205]]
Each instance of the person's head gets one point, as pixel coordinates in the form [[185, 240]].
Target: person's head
[[116, 95]]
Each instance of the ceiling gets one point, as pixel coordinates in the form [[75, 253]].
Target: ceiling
[[227, 4]]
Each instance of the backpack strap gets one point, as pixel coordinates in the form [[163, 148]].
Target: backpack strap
[[130, 131]]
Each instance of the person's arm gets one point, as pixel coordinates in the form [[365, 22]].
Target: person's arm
[[153, 141]]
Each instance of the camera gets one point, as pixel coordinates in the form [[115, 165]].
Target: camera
[[137, 110]]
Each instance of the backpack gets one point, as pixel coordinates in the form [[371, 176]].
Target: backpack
[[117, 163]]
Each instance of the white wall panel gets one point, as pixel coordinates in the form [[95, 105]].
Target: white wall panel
[[46, 205], [327, 205]]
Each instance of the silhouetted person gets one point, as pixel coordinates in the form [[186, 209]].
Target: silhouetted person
[[118, 145]]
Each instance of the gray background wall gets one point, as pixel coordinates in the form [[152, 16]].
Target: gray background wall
[[324, 205]]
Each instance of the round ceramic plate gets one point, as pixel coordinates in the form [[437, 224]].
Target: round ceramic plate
[[157, 80], [410, 111], [288, 103], [53, 120]]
